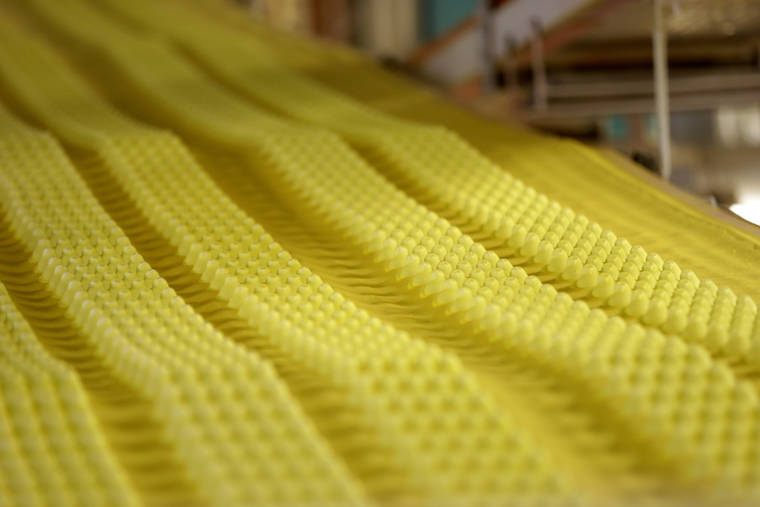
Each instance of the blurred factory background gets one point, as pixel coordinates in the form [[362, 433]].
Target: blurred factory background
[[581, 68]]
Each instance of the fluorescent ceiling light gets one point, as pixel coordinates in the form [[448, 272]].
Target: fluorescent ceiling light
[[748, 210]]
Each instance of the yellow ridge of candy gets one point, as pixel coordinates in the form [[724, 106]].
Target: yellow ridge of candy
[[53, 450]]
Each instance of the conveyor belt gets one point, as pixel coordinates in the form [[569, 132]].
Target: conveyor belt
[[296, 298]]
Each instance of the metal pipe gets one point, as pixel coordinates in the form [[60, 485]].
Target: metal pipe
[[660, 47]]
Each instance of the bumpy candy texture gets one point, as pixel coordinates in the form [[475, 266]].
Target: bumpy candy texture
[[241, 268]]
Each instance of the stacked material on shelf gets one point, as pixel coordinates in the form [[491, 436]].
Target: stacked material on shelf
[[242, 268]]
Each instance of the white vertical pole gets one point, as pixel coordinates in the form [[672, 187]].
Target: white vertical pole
[[660, 44]]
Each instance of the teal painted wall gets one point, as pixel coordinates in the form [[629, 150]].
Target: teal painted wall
[[439, 16]]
